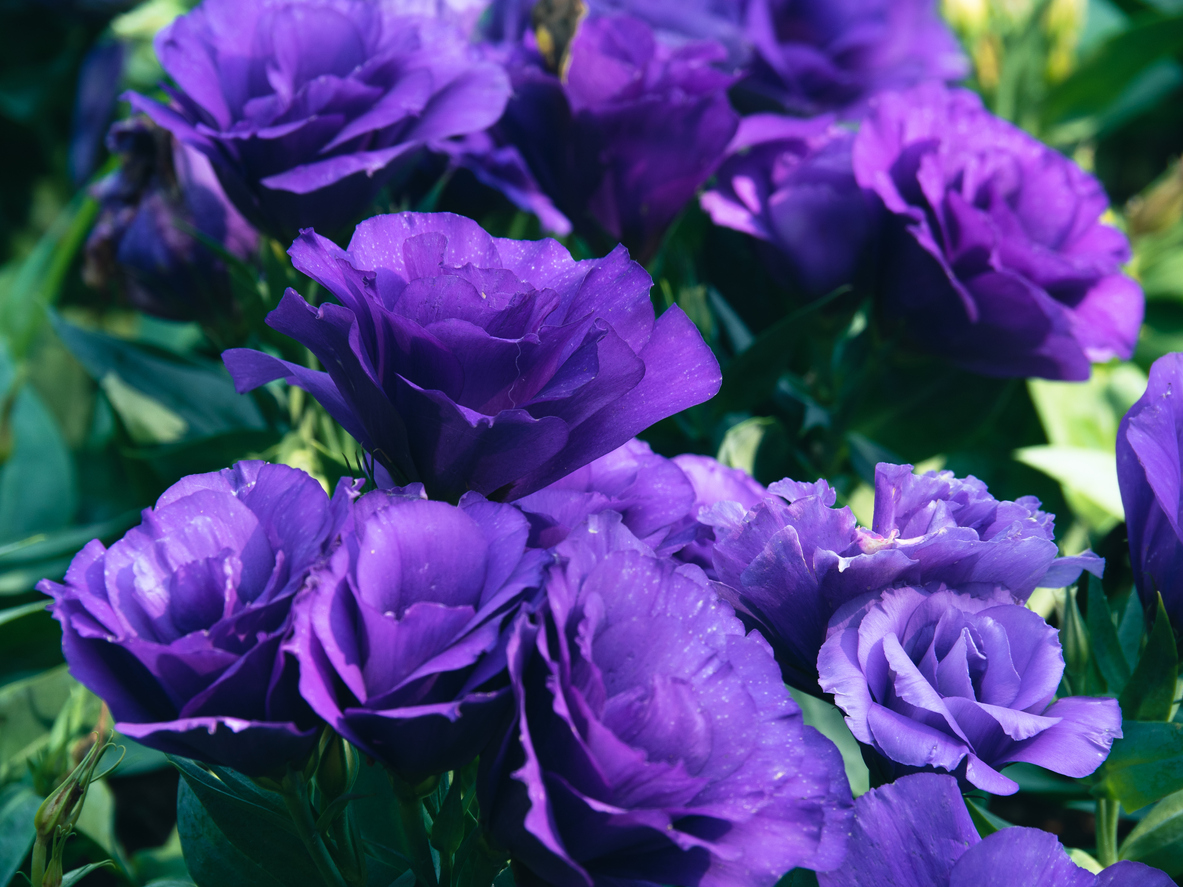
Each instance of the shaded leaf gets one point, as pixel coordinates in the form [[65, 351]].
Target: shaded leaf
[[211, 858], [69, 879], [1150, 692], [1158, 839], [1144, 766], [18, 803], [1103, 637]]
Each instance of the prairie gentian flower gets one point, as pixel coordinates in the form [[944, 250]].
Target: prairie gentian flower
[[658, 499], [1150, 473], [791, 184], [917, 832], [178, 625], [143, 239], [995, 255], [302, 106], [400, 637], [621, 142], [961, 684], [791, 561], [654, 742], [470, 362]]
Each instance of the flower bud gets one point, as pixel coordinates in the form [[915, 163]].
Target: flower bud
[[338, 767]]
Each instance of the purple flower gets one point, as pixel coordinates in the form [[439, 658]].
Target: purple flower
[[1150, 474], [791, 183], [621, 143], [995, 256], [654, 741], [303, 106], [961, 684], [143, 241], [400, 637], [178, 626], [813, 56], [916, 832], [470, 362], [658, 499], [791, 561]]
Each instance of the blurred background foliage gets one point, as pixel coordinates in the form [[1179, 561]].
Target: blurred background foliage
[[101, 407]]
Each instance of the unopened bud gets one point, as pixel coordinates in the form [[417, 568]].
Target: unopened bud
[[53, 872], [59, 812], [338, 768]]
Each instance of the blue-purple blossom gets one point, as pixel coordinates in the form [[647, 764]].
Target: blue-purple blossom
[[658, 499], [305, 107], [154, 212], [916, 832], [179, 625], [791, 184], [399, 637], [791, 561], [994, 256], [654, 741], [960, 684], [1150, 474], [620, 143], [469, 362]]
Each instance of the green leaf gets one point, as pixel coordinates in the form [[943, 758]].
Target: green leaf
[[1144, 766], [1080, 668], [1131, 628], [447, 829], [1103, 637], [1150, 692], [1087, 472], [248, 818], [1100, 80], [18, 804], [69, 879], [27, 711], [31, 641], [798, 878], [1158, 839], [828, 720], [211, 858], [985, 822]]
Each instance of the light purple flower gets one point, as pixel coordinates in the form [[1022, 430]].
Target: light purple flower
[[178, 625], [400, 637], [654, 742], [916, 832], [995, 255], [304, 106], [791, 561], [791, 184], [469, 362]]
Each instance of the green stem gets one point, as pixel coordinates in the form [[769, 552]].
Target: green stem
[[37, 866], [296, 799], [1107, 813]]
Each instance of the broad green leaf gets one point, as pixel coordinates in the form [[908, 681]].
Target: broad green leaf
[[985, 822], [1103, 638], [27, 712], [1086, 414], [147, 420], [742, 442], [1085, 860], [1089, 473], [1158, 839], [69, 879], [1150, 693], [43, 546], [828, 720], [1144, 766], [18, 804], [211, 858]]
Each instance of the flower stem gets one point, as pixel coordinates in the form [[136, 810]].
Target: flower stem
[[296, 798], [37, 865], [1107, 813]]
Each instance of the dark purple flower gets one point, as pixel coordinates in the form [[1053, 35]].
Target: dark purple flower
[[791, 561], [1150, 473], [400, 637], [654, 741], [961, 684], [621, 143], [659, 499], [916, 832], [178, 626], [470, 362], [143, 240], [791, 183], [813, 56], [98, 89], [995, 257], [303, 106]]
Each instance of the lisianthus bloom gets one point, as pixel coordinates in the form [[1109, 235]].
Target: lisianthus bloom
[[995, 255], [143, 239], [179, 625], [399, 636], [469, 362], [790, 183], [659, 499], [621, 142], [1150, 474], [302, 106], [962, 684], [916, 832], [654, 741], [791, 561]]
